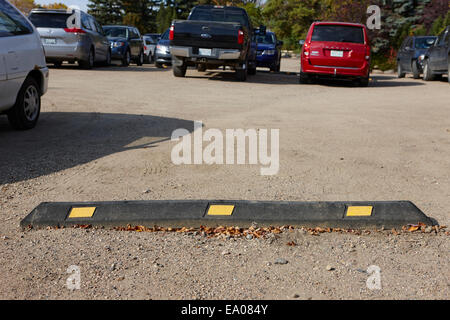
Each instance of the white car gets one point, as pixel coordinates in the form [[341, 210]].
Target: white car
[[23, 71], [150, 41]]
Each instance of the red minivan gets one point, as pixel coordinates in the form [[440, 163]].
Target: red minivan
[[337, 50]]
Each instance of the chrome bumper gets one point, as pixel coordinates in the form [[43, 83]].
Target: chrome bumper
[[216, 53]]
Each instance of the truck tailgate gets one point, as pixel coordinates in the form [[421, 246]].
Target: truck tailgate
[[206, 34]]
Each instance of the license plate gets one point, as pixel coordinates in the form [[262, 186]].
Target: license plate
[[50, 41], [337, 53], [204, 52]]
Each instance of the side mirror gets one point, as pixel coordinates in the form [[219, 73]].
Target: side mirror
[[301, 42], [279, 43]]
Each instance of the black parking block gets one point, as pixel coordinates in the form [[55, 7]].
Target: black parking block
[[211, 213]]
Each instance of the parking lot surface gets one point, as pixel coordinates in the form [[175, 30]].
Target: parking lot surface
[[104, 134]]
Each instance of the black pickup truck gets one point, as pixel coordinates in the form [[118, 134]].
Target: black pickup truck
[[214, 36]]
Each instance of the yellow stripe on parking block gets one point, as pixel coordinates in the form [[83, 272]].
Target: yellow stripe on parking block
[[84, 212], [359, 211], [220, 210]]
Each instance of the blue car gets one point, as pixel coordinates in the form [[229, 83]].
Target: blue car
[[269, 51], [126, 44], [411, 53]]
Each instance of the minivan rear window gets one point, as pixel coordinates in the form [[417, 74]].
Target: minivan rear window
[[49, 20], [337, 33]]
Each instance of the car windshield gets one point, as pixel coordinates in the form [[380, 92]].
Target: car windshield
[[49, 20], [336, 33], [219, 15], [424, 43], [165, 35], [115, 32], [267, 39]]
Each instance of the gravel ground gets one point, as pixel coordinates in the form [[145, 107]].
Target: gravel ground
[[103, 135]]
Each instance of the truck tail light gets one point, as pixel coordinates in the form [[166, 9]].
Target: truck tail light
[[171, 32], [74, 30], [240, 37]]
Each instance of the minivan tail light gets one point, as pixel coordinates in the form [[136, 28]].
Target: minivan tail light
[[171, 32], [74, 30], [367, 53], [306, 49], [240, 37]]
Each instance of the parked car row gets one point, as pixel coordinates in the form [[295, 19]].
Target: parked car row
[[75, 36], [427, 55]]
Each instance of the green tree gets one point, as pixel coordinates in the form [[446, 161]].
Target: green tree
[[106, 11], [24, 5]]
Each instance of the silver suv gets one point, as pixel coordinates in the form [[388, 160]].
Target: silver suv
[[71, 35]]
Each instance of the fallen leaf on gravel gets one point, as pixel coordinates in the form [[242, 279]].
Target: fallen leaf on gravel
[[291, 244]]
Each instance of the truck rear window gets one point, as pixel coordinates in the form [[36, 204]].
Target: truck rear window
[[49, 20], [219, 15], [337, 33]]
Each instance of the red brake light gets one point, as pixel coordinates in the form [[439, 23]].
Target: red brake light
[[240, 37], [171, 32], [74, 30], [145, 48], [306, 49]]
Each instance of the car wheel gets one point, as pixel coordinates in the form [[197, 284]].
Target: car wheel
[[158, 65], [126, 59], [57, 64], [108, 59], [279, 66], [364, 82], [140, 60], [415, 70], [303, 79], [400, 72], [89, 63], [201, 67], [241, 73], [448, 70], [427, 74], [252, 70], [25, 113], [179, 71]]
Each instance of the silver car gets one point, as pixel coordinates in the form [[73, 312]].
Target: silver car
[[71, 35], [23, 72]]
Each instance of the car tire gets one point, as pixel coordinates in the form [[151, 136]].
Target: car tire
[[179, 71], [89, 63], [364, 82], [25, 112], [427, 73], [140, 59], [415, 70], [448, 70], [400, 72], [241, 73], [57, 64], [278, 66], [107, 62], [201, 67], [126, 58], [158, 65], [252, 70], [303, 78]]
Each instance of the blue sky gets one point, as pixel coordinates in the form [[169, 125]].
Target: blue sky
[[81, 3]]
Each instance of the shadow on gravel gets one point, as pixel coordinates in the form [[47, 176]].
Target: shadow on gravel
[[63, 140], [113, 67], [283, 78]]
